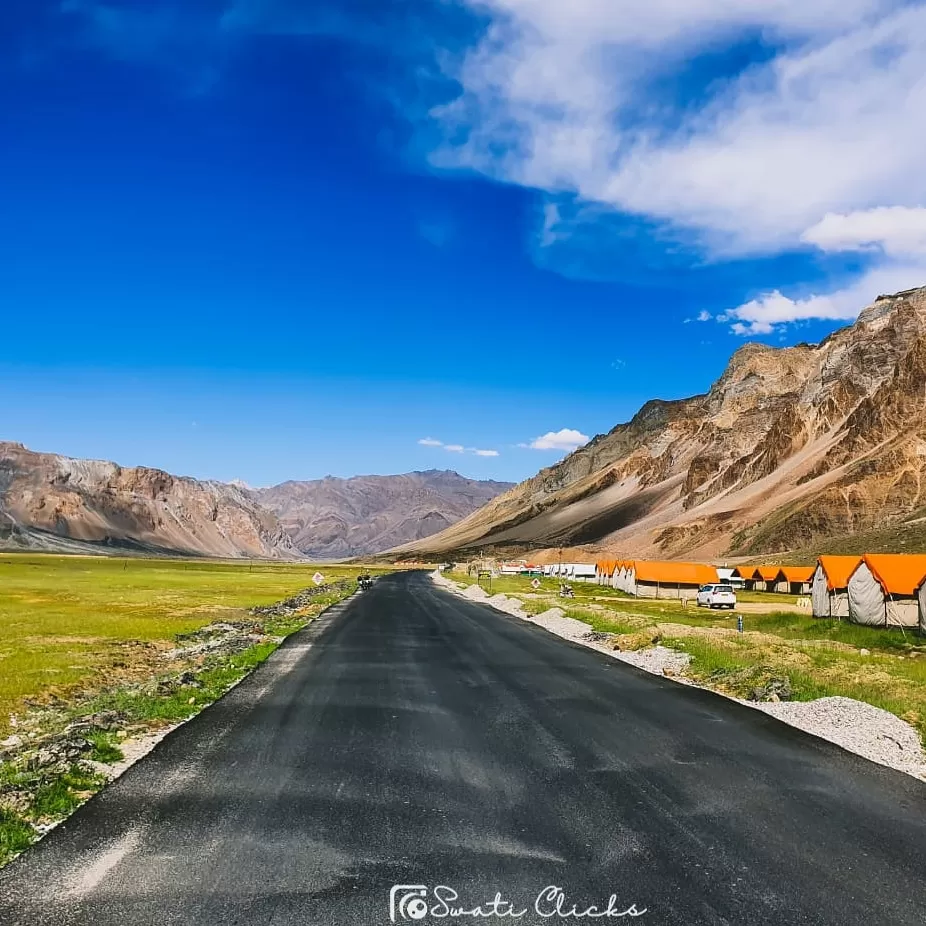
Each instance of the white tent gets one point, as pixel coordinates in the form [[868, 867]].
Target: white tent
[[616, 575], [829, 587], [623, 578], [883, 590]]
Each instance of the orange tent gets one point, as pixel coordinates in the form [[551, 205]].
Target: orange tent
[[766, 573], [798, 574], [897, 573], [882, 589], [837, 570], [671, 573]]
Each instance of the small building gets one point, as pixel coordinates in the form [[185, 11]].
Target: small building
[[577, 572], [510, 569], [794, 580], [655, 579], [883, 589], [829, 588], [581, 572], [730, 576]]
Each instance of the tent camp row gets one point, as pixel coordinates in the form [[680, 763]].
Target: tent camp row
[[793, 580], [877, 589], [655, 579], [671, 580]]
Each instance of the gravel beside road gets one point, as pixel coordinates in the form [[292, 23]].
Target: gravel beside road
[[861, 728]]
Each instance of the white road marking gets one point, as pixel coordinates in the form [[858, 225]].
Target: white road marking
[[93, 874], [289, 657]]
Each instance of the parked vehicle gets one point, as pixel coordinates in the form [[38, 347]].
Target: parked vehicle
[[365, 580], [716, 596]]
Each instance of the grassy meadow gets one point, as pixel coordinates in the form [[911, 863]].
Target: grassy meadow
[[67, 622], [82, 638]]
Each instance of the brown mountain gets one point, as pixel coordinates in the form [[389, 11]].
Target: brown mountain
[[790, 448], [337, 518], [50, 502]]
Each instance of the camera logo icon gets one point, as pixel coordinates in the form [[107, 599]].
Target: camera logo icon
[[407, 902]]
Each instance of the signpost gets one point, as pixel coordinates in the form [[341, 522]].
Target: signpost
[[487, 574], [318, 579]]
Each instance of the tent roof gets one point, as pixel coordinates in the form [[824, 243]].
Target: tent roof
[[671, 573], [897, 573], [837, 569], [607, 566], [798, 573], [766, 573]]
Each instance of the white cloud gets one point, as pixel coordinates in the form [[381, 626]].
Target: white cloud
[[553, 95], [565, 439], [822, 143], [456, 448], [896, 233], [761, 315], [895, 230]]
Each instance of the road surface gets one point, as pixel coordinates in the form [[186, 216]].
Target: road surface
[[414, 738]]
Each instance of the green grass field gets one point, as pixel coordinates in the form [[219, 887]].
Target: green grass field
[[66, 621], [82, 635]]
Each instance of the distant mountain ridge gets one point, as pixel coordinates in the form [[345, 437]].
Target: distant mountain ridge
[[335, 518], [57, 503], [791, 448], [62, 504]]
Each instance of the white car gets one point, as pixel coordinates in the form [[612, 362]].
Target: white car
[[716, 596]]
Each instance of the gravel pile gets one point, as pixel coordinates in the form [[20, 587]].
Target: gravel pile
[[660, 660], [475, 593], [858, 727], [555, 621]]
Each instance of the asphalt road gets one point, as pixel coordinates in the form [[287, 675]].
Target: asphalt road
[[414, 738]]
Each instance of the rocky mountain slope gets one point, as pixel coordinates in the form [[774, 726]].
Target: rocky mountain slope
[[788, 448], [337, 518], [50, 502]]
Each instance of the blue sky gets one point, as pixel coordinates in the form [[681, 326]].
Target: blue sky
[[269, 240]]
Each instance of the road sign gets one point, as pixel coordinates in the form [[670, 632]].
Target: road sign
[[535, 583], [318, 579]]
